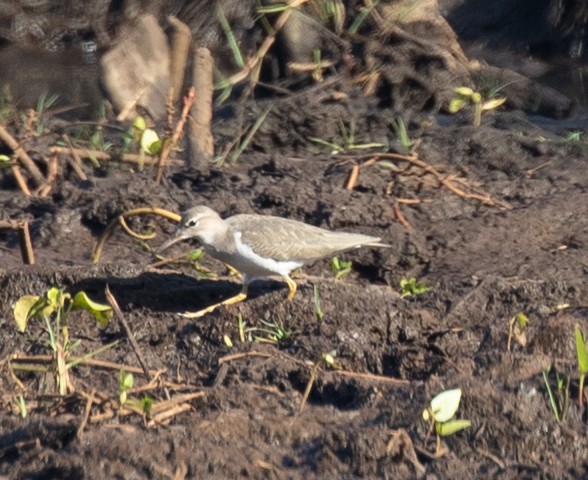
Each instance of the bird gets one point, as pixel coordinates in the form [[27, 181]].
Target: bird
[[262, 245]]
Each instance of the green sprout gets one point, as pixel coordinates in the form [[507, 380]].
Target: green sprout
[[43, 104], [440, 413], [317, 304], [517, 328], [582, 362], [228, 341], [54, 308], [559, 400], [329, 359], [364, 12], [22, 406], [126, 381], [349, 140], [575, 136], [272, 332], [412, 287], [275, 332], [402, 136], [340, 267], [466, 96]]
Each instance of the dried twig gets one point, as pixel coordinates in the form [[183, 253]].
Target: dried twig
[[20, 180], [169, 145], [138, 236], [448, 181], [44, 359], [371, 377], [239, 356], [74, 159], [96, 254], [103, 156], [22, 155], [24, 237], [309, 385], [87, 410], [119, 315], [255, 62], [45, 189]]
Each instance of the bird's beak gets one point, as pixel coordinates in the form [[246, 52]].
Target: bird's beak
[[178, 237]]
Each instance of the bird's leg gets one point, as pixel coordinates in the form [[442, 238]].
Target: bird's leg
[[242, 295], [291, 287]]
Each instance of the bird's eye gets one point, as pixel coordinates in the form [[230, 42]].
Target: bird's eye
[[192, 222]]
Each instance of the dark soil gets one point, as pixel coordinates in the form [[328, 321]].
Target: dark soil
[[485, 263]]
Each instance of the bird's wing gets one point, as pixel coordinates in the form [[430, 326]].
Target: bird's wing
[[284, 239]]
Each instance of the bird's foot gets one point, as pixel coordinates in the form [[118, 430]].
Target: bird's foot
[[291, 287]]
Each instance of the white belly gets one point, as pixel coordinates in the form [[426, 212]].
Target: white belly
[[247, 261]]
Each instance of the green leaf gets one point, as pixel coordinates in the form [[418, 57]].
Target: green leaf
[[443, 406], [493, 103], [150, 141], [139, 126], [522, 320], [101, 313], [340, 267], [146, 403], [457, 103], [464, 91], [449, 428], [56, 298], [126, 380], [412, 287], [581, 351], [24, 308]]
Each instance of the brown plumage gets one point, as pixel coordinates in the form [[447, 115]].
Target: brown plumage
[[263, 245]]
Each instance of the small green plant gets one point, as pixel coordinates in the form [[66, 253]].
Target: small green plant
[[53, 309], [147, 138], [559, 400], [234, 154], [349, 141], [517, 330], [440, 413], [340, 267], [576, 136], [317, 304], [126, 382], [582, 362], [466, 96], [4, 161], [275, 332], [22, 406], [272, 332], [402, 136], [8, 109], [329, 359], [361, 17], [228, 341], [44, 103], [412, 287]]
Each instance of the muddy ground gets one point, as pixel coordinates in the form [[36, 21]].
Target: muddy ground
[[522, 250]]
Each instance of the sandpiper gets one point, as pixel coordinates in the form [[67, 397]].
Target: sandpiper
[[262, 245]]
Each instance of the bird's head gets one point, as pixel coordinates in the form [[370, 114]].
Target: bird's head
[[201, 223]]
